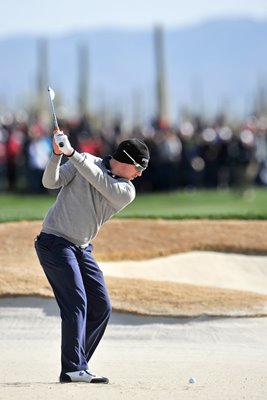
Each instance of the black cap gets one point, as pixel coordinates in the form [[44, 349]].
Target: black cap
[[136, 149]]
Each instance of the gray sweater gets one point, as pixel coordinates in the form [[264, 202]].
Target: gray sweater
[[89, 196]]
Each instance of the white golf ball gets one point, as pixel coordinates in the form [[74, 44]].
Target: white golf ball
[[192, 380]]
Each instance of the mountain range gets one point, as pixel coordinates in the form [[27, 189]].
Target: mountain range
[[213, 65]]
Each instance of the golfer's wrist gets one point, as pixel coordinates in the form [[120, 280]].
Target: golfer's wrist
[[57, 154], [70, 154]]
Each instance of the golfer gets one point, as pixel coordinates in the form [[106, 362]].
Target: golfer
[[92, 191]]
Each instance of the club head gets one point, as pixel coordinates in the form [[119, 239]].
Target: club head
[[51, 93]]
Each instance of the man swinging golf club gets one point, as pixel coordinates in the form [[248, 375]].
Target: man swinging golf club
[[92, 191]]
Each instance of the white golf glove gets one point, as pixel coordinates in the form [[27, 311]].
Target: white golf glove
[[63, 144]]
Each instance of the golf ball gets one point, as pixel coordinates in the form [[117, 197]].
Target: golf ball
[[192, 380]]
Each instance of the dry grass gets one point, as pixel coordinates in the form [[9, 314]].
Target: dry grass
[[173, 299], [20, 273]]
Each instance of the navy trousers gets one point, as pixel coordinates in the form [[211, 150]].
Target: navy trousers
[[81, 294]]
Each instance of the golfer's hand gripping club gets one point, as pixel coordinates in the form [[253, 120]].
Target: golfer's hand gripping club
[[57, 131], [62, 141], [60, 144]]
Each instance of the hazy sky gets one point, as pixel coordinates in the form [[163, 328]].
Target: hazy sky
[[60, 16]]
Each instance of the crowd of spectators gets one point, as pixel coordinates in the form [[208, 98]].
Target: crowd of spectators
[[193, 154]]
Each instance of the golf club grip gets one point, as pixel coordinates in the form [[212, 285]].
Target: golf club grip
[[61, 144]]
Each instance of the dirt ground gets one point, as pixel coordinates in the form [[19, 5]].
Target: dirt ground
[[21, 275]]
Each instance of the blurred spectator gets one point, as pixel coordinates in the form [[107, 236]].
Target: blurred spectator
[[169, 158], [37, 150], [14, 145]]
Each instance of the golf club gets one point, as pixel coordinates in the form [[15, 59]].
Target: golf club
[[52, 96]]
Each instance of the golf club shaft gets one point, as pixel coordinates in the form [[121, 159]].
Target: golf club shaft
[[56, 127], [55, 117]]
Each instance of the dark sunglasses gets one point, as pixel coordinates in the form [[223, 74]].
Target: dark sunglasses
[[137, 166]]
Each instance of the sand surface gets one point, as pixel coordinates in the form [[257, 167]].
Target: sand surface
[[151, 356], [144, 357], [232, 271]]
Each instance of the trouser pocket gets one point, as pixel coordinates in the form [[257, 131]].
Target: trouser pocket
[[44, 240]]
